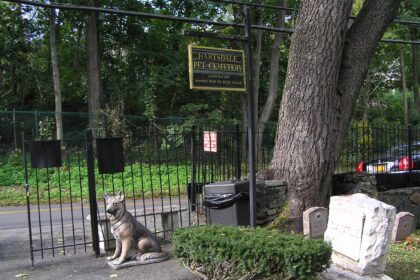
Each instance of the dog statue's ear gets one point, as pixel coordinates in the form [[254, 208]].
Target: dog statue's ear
[[106, 196], [120, 196]]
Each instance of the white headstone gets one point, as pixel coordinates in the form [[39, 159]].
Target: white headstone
[[403, 227], [315, 222], [359, 231]]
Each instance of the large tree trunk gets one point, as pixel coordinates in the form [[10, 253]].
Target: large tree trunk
[[94, 66], [56, 76], [326, 69], [274, 76], [416, 74]]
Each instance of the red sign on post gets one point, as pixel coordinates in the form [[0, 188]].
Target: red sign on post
[[210, 141]]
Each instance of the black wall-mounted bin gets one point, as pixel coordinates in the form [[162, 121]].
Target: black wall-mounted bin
[[45, 153], [110, 155], [227, 203]]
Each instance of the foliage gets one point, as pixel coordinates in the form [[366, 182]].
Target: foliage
[[364, 139], [145, 61], [201, 114], [116, 124], [246, 253], [404, 259], [281, 221], [46, 128], [174, 137]]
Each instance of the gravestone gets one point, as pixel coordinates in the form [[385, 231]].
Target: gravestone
[[315, 222], [404, 225], [359, 231]]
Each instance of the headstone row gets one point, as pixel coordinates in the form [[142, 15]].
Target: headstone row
[[315, 220], [359, 229]]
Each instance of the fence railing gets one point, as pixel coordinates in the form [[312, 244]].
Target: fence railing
[[167, 139], [391, 152], [161, 172]]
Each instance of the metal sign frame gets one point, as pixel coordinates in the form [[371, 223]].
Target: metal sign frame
[[191, 68]]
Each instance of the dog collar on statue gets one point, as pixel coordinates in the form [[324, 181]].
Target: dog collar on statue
[[120, 222]]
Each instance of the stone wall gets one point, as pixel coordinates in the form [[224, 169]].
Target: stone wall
[[271, 196], [351, 183], [404, 199]]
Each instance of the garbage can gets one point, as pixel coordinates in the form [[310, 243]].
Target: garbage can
[[227, 203]]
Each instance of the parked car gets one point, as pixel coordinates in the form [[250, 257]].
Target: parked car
[[395, 160]]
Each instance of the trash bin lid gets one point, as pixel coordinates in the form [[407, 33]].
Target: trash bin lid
[[227, 187]]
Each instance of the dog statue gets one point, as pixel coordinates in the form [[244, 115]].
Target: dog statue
[[130, 234]]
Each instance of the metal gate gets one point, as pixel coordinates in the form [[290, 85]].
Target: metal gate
[[66, 180], [161, 173]]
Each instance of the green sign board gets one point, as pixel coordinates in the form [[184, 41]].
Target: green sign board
[[216, 69]]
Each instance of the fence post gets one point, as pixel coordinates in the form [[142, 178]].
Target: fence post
[[36, 124], [92, 191], [238, 152], [251, 123], [193, 170], [15, 130], [410, 139], [28, 205]]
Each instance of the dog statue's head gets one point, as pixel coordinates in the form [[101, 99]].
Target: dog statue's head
[[114, 204]]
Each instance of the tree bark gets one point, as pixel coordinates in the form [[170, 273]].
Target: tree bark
[[94, 66], [274, 76], [416, 75], [56, 76], [404, 86], [326, 68]]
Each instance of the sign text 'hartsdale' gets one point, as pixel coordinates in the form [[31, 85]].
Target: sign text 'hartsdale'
[[216, 69]]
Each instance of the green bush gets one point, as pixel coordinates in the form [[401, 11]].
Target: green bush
[[246, 253]]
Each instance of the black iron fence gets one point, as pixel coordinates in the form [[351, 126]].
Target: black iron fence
[[391, 152], [161, 171]]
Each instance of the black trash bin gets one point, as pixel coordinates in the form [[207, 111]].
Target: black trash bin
[[227, 203]]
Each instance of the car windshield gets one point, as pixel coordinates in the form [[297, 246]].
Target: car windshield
[[401, 150]]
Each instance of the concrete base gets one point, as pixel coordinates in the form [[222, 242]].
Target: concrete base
[[170, 222], [135, 262], [124, 265], [334, 273], [106, 239]]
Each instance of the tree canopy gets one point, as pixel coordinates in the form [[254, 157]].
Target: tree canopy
[[144, 61]]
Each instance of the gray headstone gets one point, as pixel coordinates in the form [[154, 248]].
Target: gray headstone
[[403, 227], [359, 231], [315, 222]]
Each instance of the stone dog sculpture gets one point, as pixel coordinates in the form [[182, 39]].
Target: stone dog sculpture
[[133, 240]]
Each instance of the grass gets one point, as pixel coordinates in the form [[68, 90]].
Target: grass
[[71, 182], [404, 259]]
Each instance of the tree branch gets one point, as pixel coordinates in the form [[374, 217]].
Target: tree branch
[[360, 44]]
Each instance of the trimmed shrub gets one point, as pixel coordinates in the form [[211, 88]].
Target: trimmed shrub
[[236, 252]]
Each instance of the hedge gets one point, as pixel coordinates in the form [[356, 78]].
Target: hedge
[[236, 252]]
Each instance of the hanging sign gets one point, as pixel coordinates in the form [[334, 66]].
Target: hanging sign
[[210, 141], [216, 69]]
